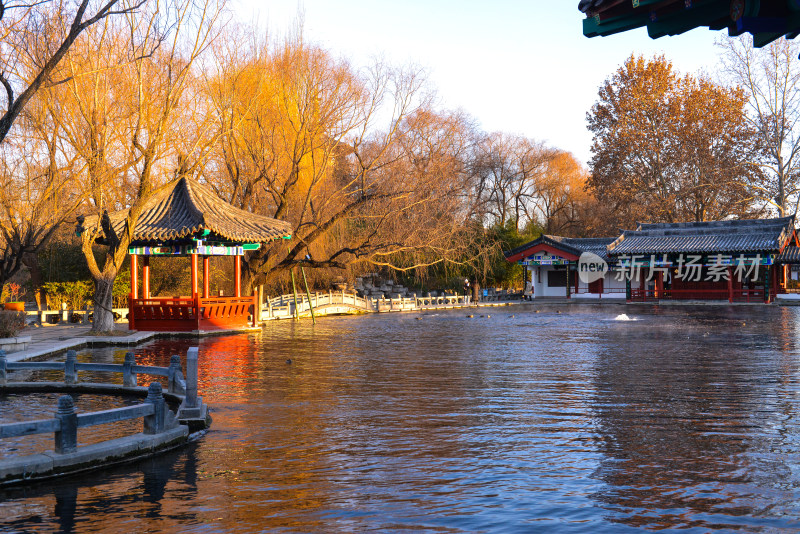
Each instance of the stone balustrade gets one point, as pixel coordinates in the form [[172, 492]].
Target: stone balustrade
[[161, 428]]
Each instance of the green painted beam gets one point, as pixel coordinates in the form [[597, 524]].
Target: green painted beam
[[593, 28]]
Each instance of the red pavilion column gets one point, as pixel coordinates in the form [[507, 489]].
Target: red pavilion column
[[195, 299], [134, 276], [205, 277], [194, 275], [134, 291], [237, 275], [146, 277], [730, 284]]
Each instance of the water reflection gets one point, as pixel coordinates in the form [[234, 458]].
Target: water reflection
[[157, 488], [561, 420], [695, 423]]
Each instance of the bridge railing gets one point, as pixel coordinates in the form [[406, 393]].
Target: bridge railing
[[283, 306], [153, 411]]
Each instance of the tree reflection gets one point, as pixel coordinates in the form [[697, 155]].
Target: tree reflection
[[691, 419]]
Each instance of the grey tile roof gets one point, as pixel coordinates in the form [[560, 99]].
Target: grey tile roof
[[596, 245], [573, 245], [188, 207], [761, 235], [789, 255]]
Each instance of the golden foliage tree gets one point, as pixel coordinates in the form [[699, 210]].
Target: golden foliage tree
[[128, 93], [356, 160], [670, 148]]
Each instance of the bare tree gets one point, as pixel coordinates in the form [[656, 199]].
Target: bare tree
[[770, 76], [37, 192], [39, 34], [356, 160]]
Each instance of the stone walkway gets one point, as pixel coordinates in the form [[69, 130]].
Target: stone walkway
[[55, 339]]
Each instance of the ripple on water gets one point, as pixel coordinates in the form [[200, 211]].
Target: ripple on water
[[684, 418]]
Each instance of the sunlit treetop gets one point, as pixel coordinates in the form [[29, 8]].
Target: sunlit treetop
[[766, 20]]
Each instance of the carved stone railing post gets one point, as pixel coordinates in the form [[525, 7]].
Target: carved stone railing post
[[70, 372], [154, 424], [191, 377], [193, 412], [128, 376], [2, 367], [175, 377], [67, 437]]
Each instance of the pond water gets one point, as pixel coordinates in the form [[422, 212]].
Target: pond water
[[522, 419]]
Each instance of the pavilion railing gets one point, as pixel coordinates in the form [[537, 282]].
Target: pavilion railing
[[227, 310], [216, 311]]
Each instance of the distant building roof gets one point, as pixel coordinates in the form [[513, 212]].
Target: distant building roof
[[760, 235], [188, 208], [571, 245], [766, 20]]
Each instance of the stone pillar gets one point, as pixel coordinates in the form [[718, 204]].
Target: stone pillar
[[154, 424], [70, 372], [67, 436], [2, 367], [191, 377], [128, 376]]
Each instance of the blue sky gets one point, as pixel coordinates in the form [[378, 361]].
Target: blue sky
[[517, 66]]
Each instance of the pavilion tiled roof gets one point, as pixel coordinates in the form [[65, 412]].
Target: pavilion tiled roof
[[739, 236], [188, 208], [595, 245]]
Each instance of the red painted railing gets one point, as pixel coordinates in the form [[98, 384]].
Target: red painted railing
[[225, 312], [185, 314], [585, 291]]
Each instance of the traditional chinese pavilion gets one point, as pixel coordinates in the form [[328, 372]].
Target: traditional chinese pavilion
[[188, 220], [766, 20], [734, 261]]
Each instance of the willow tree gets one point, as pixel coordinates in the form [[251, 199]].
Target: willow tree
[[347, 156], [128, 91], [668, 148]]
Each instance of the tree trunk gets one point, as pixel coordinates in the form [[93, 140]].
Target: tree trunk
[[476, 290], [103, 315], [31, 261]]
